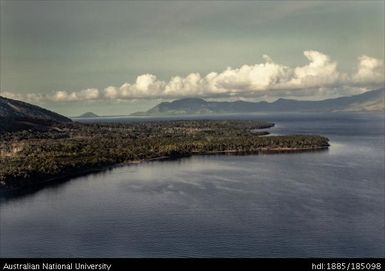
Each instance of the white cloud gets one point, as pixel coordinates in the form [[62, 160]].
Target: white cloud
[[369, 70], [321, 72], [111, 92], [85, 94], [247, 80]]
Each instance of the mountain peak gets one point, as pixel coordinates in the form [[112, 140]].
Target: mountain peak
[[88, 115], [189, 100]]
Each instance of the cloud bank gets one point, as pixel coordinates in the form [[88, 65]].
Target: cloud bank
[[321, 72]]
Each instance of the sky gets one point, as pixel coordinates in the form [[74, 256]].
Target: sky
[[118, 57]]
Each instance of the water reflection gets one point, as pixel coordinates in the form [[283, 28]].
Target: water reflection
[[327, 204]]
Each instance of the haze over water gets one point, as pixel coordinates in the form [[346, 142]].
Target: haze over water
[[317, 204]]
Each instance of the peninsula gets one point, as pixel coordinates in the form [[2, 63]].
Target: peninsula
[[64, 148]]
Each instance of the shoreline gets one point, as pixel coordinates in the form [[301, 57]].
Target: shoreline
[[33, 185]]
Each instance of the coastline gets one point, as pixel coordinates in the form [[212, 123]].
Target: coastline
[[35, 160], [32, 184]]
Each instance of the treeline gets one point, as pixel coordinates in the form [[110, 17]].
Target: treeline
[[31, 156]]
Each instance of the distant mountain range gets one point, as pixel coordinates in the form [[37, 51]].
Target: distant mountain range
[[368, 101], [17, 115]]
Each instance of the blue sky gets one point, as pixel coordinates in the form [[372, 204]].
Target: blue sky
[[117, 57]]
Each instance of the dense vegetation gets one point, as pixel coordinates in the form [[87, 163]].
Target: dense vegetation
[[27, 157]]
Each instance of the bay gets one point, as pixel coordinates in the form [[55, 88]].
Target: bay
[[317, 204]]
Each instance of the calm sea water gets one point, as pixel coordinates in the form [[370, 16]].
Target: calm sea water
[[321, 204]]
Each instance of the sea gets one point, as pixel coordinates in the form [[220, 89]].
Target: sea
[[315, 204]]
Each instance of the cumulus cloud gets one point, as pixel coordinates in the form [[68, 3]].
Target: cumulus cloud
[[321, 72], [247, 80], [85, 94], [369, 69]]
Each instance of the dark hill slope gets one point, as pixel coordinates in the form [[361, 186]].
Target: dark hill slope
[[17, 115]]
